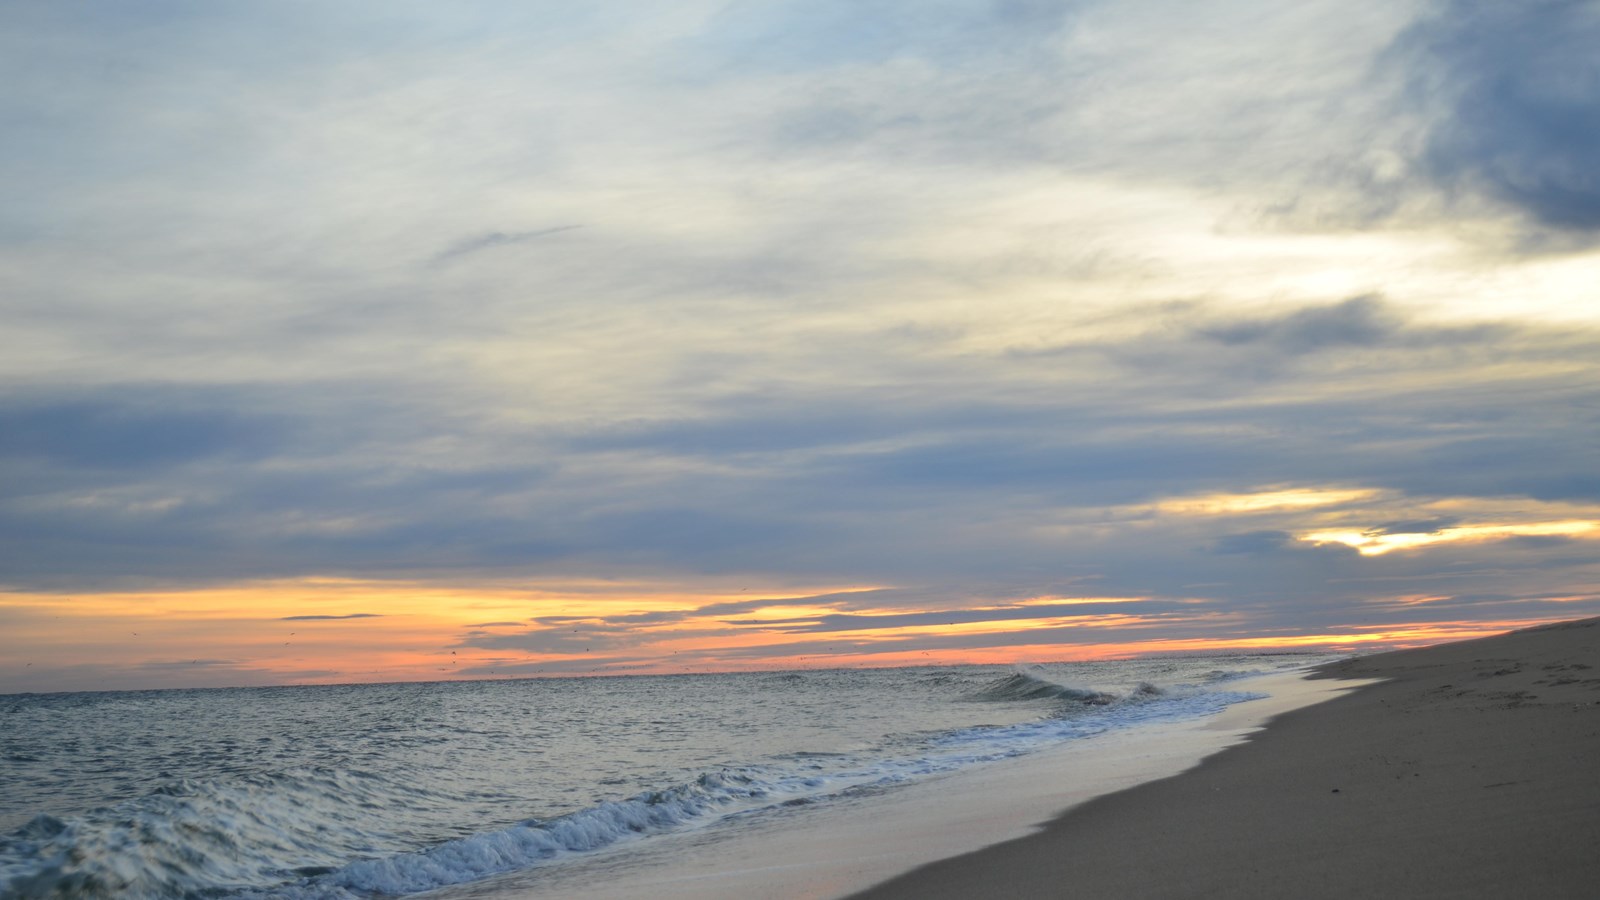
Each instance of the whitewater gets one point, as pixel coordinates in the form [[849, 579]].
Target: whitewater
[[363, 791]]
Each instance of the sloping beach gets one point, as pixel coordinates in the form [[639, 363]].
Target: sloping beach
[[1472, 770]]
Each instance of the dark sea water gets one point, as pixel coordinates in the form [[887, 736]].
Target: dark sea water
[[383, 790]]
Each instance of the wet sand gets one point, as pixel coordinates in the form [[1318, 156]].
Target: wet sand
[[1472, 771]]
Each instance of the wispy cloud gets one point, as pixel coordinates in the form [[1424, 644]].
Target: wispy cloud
[[314, 618], [495, 239]]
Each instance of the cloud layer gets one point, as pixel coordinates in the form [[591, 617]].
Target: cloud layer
[[974, 304]]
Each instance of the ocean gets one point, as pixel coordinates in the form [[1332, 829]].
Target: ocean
[[384, 790]]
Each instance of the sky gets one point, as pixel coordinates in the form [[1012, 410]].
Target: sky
[[375, 341]]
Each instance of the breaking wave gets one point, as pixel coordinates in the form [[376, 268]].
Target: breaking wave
[[260, 841], [1032, 685]]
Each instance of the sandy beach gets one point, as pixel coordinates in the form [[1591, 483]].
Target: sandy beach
[[1472, 770]]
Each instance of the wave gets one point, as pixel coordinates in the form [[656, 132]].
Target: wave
[[534, 841], [335, 834], [1032, 685], [307, 836], [240, 841], [190, 836]]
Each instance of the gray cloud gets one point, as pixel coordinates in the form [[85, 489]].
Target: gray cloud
[[556, 641], [1254, 542], [658, 617], [130, 432], [346, 616], [1416, 526], [1357, 322], [896, 484], [1367, 330], [1514, 92]]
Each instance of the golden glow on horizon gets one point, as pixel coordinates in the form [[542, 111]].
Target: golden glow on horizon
[[325, 630], [346, 630], [1370, 639], [1275, 500], [1369, 543], [990, 626]]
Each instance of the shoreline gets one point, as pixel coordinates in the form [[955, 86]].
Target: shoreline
[[1469, 769], [850, 846]]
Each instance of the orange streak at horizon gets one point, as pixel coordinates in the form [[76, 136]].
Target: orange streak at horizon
[[1374, 639], [249, 633], [239, 634]]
